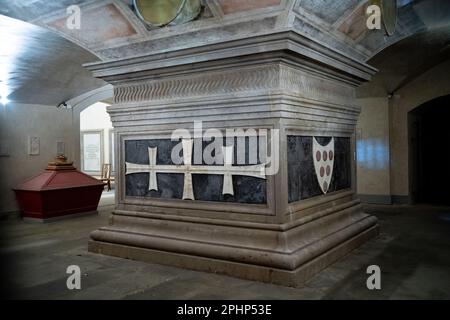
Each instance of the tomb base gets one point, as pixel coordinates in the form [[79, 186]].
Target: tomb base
[[286, 254], [280, 218]]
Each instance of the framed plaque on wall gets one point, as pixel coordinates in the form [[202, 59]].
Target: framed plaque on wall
[[91, 151]]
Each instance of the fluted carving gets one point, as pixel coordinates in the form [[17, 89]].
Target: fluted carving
[[266, 77], [249, 79]]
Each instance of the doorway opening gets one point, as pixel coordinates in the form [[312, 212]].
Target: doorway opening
[[97, 148], [429, 138]]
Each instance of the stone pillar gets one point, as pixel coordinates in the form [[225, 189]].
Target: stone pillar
[[280, 226]]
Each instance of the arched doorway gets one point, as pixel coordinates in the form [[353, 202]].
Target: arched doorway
[[429, 139]]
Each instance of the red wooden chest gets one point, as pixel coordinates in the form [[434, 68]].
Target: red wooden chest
[[58, 191]]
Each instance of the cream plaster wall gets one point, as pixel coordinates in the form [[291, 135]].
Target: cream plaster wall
[[432, 84], [382, 135], [372, 148], [17, 122]]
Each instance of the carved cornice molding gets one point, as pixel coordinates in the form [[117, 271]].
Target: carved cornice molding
[[307, 85], [286, 45], [214, 83], [274, 77]]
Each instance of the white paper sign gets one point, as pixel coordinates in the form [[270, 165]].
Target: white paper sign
[[91, 152]]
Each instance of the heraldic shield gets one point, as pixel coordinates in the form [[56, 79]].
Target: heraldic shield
[[323, 163]]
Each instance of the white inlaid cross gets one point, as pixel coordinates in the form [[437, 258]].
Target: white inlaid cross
[[227, 170]]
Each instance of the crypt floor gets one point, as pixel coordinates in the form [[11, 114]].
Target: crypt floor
[[413, 252]]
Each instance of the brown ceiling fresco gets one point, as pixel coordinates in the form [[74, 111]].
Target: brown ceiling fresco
[[233, 6], [98, 25], [355, 25]]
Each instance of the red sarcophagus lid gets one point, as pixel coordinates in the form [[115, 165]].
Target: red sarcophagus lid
[[59, 191]]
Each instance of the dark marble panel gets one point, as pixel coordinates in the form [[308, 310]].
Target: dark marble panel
[[302, 180], [206, 187], [169, 185]]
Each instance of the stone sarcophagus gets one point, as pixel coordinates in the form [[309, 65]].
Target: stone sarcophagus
[[236, 158]]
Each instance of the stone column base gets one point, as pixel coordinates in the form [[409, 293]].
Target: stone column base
[[286, 254]]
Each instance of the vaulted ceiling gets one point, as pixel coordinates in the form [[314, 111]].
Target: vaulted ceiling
[[110, 29], [405, 60], [38, 66]]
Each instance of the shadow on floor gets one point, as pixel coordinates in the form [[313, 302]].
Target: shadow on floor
[[412, 252]]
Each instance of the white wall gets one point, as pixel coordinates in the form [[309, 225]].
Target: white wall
[[17, 122], [96, 118]]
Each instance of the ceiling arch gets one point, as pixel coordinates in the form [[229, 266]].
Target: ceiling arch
[[407, 59], [111, 30], [31, 72]]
